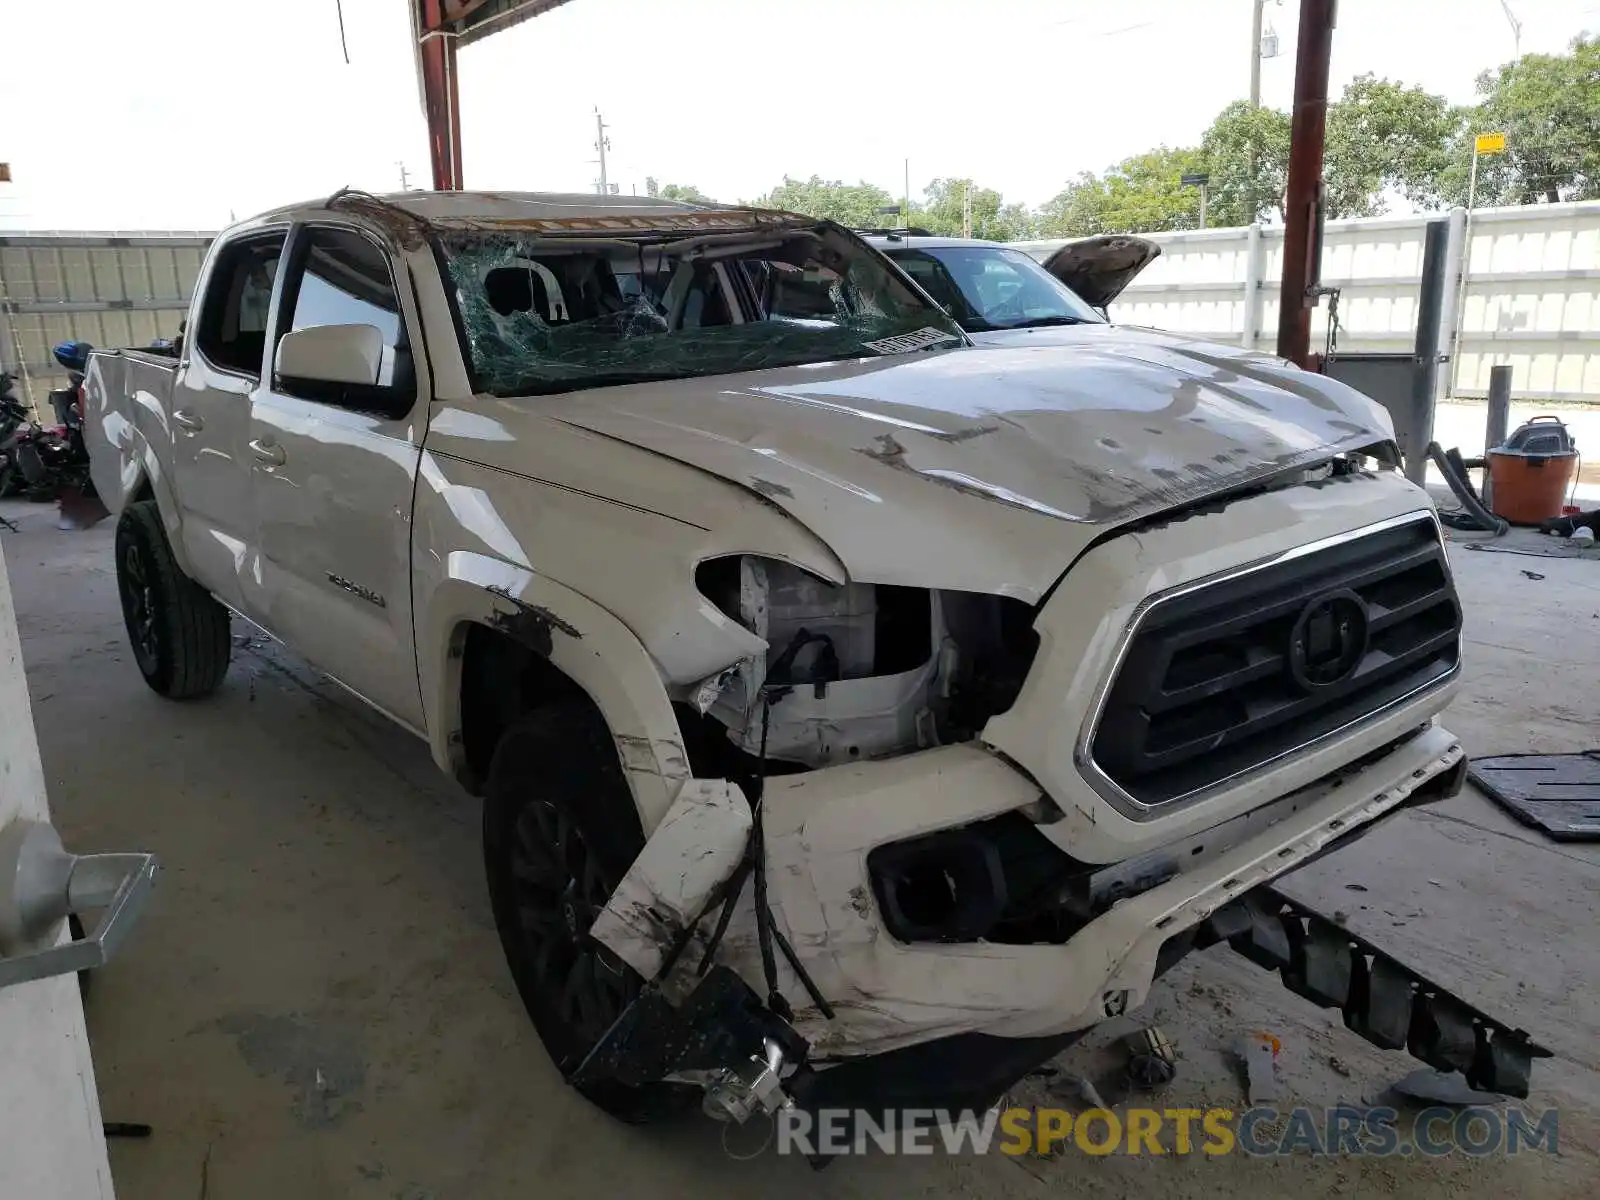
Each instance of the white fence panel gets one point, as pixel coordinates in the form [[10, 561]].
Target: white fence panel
[[1531, 299]]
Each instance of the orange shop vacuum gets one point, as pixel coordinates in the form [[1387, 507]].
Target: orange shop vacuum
[[1530, 476]]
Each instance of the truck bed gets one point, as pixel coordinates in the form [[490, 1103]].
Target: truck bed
[[124, 390]]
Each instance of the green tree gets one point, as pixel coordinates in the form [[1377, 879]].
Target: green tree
[[853, 205], [1381, 136], [992, 217], [687, 193], [1548, 106], [1386, 137], [1140, 194], [1247, 156]]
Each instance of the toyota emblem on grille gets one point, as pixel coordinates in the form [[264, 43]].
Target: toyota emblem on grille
[[1328, 641]]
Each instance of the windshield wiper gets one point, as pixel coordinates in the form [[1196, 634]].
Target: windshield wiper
[[1043, 322], [577, 383]]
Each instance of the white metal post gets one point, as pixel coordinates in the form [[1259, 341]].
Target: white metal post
[[1254, 261], [1455, 268], [1466, 265]]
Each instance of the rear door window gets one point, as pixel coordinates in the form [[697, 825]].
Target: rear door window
[[233, 317]]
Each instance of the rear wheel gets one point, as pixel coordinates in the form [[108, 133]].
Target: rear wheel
[[179, 632], [559, 832]]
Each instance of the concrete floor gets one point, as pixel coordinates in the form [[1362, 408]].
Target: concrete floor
[[315, 1004]]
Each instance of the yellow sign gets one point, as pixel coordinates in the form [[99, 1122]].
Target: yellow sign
[[1490, 143]]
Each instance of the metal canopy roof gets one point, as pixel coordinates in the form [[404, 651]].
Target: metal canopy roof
[[471, 20]]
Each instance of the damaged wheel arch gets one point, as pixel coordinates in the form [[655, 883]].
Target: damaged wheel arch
[[560, 643]]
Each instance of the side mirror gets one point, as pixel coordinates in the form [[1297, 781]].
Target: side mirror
[[339, 354]]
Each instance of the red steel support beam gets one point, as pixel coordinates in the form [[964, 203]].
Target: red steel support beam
[[441, 101], [1301, 206]]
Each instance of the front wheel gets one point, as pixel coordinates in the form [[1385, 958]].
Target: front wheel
[[559, 831], [179, 632]]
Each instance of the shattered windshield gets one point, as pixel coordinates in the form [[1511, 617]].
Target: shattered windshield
[[547, 311], [991, 287]]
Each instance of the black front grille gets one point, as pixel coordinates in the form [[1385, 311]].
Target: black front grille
[[1221, 679]]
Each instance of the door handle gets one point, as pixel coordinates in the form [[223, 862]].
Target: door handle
[[184, 419], [268, 452], [43, 884]]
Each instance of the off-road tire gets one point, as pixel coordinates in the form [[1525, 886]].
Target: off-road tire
[[559, 831], [179, 632]]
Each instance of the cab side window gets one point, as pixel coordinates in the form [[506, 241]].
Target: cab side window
[[233, 317], [346, 281]]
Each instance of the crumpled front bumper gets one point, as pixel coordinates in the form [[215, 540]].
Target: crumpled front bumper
[[886, 994]]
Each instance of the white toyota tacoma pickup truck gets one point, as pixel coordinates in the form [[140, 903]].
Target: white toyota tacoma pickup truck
[[859, 714]]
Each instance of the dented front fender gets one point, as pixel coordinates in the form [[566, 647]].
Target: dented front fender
[[583, 641]]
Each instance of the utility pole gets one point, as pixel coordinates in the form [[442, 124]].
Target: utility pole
[[1255, 53], [1255, 102], [1258, 51], [602, 143], [405, 180], [966, 209], [905, 213], [1302, 249]]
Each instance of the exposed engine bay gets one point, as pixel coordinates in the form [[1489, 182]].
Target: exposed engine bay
[[859, 671]]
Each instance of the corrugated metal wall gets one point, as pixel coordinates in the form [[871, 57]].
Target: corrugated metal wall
[[1531, 297], [110, 289]]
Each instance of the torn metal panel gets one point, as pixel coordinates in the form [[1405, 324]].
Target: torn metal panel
[[704, 694], [530, 624], [409, 231], [692, 853], [1445, 1031]]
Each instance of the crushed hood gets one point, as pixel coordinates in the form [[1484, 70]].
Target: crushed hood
[[1098, 268], [979, 469]]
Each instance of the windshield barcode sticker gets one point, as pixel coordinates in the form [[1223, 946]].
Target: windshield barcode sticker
[[904, 343]]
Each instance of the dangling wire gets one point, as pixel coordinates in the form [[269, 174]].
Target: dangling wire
[[755, 862], [338, 6], [758, 845]]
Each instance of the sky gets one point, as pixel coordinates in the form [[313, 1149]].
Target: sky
[[188, 113]]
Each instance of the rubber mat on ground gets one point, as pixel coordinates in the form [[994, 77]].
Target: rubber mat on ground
[[1558, 793]]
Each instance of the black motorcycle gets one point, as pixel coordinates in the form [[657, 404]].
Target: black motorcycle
[[16, 426]]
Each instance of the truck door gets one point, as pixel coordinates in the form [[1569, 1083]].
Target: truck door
[[210, 410], [331, 483]]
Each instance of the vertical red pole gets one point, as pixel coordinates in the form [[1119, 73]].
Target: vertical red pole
[[1306, 136], [440, 98]]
